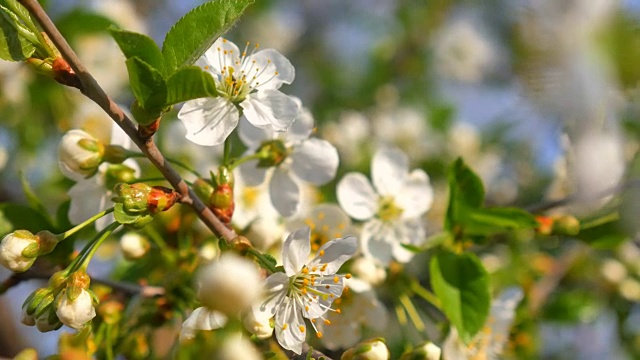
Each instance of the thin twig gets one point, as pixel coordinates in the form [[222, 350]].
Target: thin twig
[[90, 88]]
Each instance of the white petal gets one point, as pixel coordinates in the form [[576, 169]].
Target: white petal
[[273, 69], [328, 290], [295, 251], [270, 108], [209, 121], [251, 173], [416, 196], [253, 136], [284, 193], [302, 126], [290, 336], [374, 241], [201, 319], [335, 253], [400, 254], [217, 58], [389, 168], [356, 196], [315, 161], [86, 199], [276, 287]]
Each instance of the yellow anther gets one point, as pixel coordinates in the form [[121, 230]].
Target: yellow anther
[[315, 268], [348, 276], [313, 320], [206, 67], [339, 311], [257, 45], [277, 73], [324, 267], [301, 328], [226, 52], [306, 307], [248, 42], [336, 279], [338, 301], [305, 282], [321, 215], [304, 290], [327, 286], [224, 40], [327, 322], [285, 326], [319, 334], [305, 270], [309, 223], [341, 226], [321, 253]]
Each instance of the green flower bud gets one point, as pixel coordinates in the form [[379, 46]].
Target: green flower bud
[[272, 153], [372, 349], [115, 154], [203, 189], [425, 351], [133, 197], [119, 173]]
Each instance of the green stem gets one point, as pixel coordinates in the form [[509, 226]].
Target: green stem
[[227, 152], [74, 230], [400, 314], [412, 312], [614, 216], [425, 294], [90, 250], [263, 260], [242, 160]]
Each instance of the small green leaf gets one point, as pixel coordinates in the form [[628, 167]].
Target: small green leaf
[[465, 190], [19, 217], [122, 216], [147, 84], [13, 46], [488, 221], [195, 32], [33, 199], [462, 285], [138, 45], [190, 82]]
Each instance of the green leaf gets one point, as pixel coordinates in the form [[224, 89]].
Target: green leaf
[[13, 46], [33, 199], [488, 221], [138, 45], [465, 190], [19, 217], [188, 83], [148, 85], [122, 216], [462, 285], [195, 32]]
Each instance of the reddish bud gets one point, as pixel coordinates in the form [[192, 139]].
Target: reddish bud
[[161, 199], [222, 204], [64, 74]]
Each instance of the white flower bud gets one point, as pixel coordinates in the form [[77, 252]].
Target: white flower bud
[[372, 349], [12, 248], [366, 269], [235, 347], [48, 321], [75, 314], [259, 326], [229, 285], [79, 155], [425, 351], [133, 245]]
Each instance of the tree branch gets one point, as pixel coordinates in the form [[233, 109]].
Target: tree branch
[[90, 88]]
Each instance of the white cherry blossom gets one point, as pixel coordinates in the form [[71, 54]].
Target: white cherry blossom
[[296, 157], [306, 289], [247, 83], [76, 313], [392, 208]]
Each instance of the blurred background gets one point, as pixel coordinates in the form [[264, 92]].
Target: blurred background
[[539, 97]]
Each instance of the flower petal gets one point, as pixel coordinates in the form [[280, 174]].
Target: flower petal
[[315, 161], [416, 196], [273, 69], [275, 287], [253, 136], [375, 242], [270, 108], [295, 251], [302, 126], [389, 169], [325, 291], [290, 328], [284, 193], [201, 319], [357, 197], [221, 54], [209, 121], [335, 253], [86, 199], [251, 173]]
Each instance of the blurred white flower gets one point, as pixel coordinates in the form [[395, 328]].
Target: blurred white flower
[[295, 156], [229, 284], [75, 314], [366, 269], [259, 326], [393, 210], [406, 128], [359, 308], [201, 319], [236, 347], [326, 221], [246, 80], [306, 289], [133, 245], [373, 349], [353, 144], [464, 51]]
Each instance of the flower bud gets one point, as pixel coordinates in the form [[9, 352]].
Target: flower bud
[[79, 155], [142, 198], [372, 349], [235, 347], [75, 314], [366, 269], [118, 173], [203, 189], [259, 326], [229, 285], [201, 318], [425, 351], [134, 246], [48, 320], [31, 303], [566, 225], [272, 153], [17, 250]]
